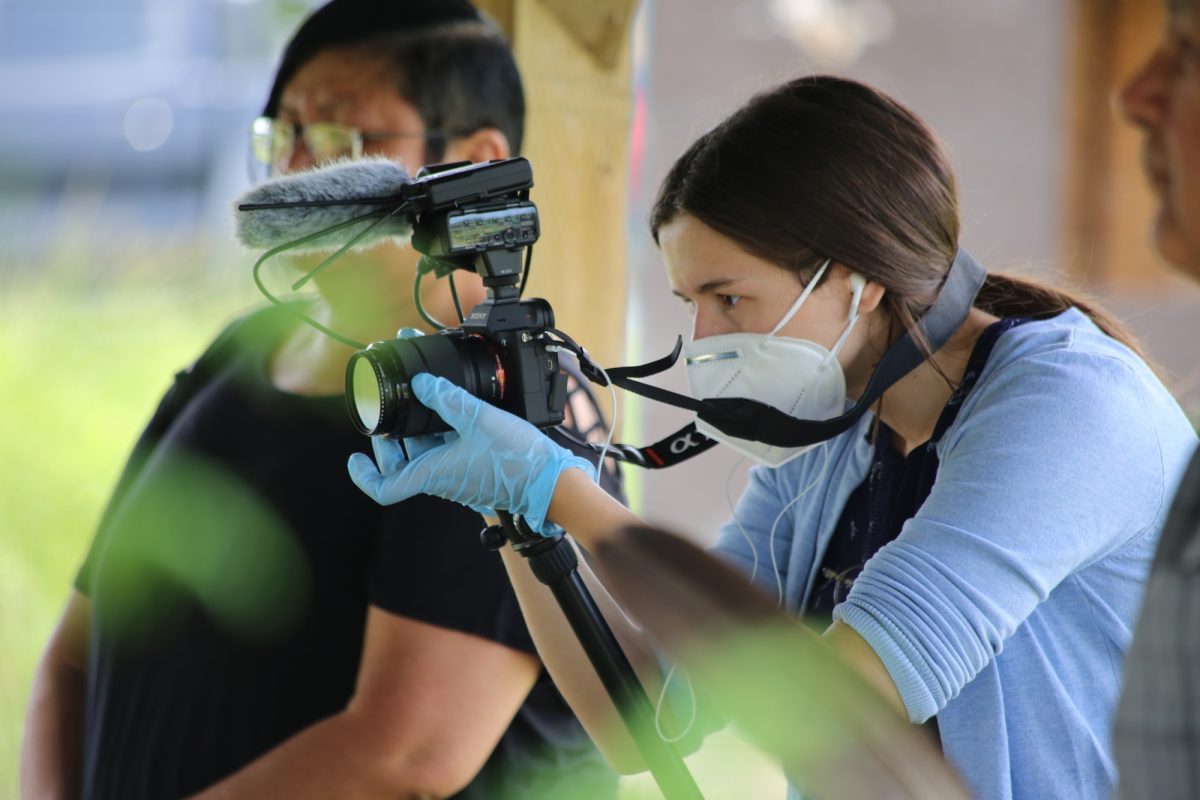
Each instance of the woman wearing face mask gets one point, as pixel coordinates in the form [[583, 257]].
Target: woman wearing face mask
[[978, 536]]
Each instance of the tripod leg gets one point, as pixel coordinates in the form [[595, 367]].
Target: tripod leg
[[555, 564]]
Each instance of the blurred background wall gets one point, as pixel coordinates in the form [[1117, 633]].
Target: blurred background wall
[[131, 110], [122, 141]]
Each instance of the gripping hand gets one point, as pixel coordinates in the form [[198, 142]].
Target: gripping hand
[[492, 459]]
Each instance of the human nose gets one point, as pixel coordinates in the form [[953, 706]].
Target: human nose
[[705, 324], [1143, 99]]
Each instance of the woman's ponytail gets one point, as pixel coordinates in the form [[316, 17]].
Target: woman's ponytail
[[1005, 295]]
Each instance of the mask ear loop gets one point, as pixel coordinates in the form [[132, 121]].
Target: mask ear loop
[[859, 283], [812, 285]]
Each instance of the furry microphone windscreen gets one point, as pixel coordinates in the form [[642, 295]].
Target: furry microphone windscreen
[[349, 180]]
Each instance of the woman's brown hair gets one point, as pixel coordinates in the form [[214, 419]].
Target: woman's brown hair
[[824, 167]]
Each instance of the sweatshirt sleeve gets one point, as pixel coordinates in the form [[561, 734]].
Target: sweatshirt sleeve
[[1055, 463]]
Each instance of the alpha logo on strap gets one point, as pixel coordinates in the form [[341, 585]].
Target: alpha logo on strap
[[684, 443]]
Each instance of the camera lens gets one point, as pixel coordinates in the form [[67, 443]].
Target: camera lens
[[378, 393], [365, 393]]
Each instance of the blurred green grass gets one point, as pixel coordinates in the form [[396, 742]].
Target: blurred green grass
[[90, 337]]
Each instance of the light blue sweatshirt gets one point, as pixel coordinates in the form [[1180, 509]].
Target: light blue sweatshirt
[[1006, 604]]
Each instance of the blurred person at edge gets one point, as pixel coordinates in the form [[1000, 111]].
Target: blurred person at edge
[[980, 538], [247, 624], [1157, 730]]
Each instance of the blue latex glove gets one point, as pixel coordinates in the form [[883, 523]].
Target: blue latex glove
[[491, 459]]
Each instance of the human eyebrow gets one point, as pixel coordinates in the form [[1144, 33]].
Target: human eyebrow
[[335, 104], [714, 285], [327, 108], [705, 288]]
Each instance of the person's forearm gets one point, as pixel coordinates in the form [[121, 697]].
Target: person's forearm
[[51, 747], [333, 758], [586, 511]]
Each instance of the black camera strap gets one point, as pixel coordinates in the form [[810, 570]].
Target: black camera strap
[[679, 446], [750, 419]]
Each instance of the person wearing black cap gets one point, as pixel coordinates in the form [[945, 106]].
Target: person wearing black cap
[[246, 623]]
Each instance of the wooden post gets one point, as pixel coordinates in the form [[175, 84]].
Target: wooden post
[[575, 61]]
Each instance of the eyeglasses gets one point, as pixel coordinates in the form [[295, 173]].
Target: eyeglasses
[[273, 141]]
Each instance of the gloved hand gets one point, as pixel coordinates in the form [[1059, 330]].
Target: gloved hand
[[491, 459]]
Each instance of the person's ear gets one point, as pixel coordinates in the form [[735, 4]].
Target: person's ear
[[485, 144], [871, 293]]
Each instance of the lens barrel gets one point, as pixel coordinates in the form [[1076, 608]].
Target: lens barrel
[[378, 393]]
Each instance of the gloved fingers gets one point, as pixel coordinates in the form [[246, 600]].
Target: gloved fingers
[[457, 407], [389, 455], [410, 480], [417, 445], [373, 484]]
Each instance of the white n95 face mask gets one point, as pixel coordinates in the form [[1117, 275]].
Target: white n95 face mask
[[797, 376]]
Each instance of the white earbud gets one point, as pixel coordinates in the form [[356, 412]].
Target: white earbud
[[857, 283]]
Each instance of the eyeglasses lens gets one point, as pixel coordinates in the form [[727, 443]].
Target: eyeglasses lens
[[273, 142], [329, 140]]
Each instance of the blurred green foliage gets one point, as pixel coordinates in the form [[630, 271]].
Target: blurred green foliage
[[90, 337]]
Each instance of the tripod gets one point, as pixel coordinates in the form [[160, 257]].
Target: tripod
[[555, 564]]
